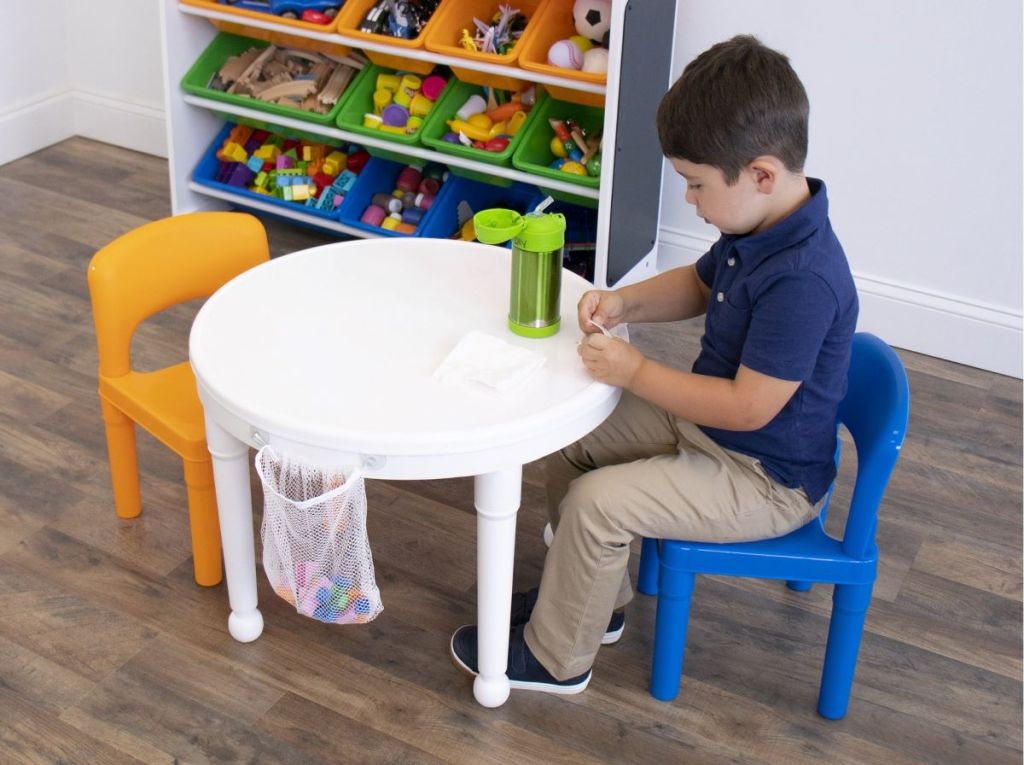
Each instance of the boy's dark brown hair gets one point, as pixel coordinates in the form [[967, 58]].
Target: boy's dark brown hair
[[737, 101]]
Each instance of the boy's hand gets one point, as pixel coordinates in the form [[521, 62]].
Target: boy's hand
[[610, 360], [606, 308]]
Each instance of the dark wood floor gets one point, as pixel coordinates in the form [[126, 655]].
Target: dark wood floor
[[109, 652]]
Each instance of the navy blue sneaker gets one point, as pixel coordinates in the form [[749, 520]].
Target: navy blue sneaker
[[524, 672], [615, 627], [522, 607]]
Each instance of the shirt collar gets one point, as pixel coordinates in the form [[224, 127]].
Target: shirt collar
[[796, 227]]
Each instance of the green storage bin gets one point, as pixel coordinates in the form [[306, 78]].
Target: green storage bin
[[534, 153], [436, 126], [360, 102], [223, 47]]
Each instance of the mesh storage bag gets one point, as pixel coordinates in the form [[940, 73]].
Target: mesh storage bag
[[315, 550]]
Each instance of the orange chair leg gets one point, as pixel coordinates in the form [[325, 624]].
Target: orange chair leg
[[124, 463], [202, 512]]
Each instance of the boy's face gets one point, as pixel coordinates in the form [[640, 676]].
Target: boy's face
[[736, 209]]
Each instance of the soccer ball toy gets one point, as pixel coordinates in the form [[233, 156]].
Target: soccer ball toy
[[592, 18]]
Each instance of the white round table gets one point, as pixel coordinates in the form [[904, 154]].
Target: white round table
[[328, 355]]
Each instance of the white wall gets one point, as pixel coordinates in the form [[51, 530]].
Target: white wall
[[915, 125], [916, 128], [75, 68], [34, 91], [116, 72]]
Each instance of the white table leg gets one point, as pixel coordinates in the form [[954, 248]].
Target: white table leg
[[234, 508], [497, 497]]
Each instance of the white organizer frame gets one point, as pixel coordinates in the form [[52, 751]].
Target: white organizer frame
[[192, 124]]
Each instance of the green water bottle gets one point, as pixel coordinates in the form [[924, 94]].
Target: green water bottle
[[537, 242]]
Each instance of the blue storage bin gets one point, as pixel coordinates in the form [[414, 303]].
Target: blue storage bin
[[444, 221], [209, 167], [379, 176]]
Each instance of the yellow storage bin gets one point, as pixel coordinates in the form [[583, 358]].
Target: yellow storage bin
[[554, 22], [351, 17], [446, 32]]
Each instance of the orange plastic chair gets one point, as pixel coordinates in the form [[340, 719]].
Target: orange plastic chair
[[143, 272]]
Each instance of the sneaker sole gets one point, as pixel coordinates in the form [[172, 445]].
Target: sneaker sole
[[522, 685], [613, 636]]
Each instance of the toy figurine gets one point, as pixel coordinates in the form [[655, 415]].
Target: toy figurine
[[466, 41], [501, 35]]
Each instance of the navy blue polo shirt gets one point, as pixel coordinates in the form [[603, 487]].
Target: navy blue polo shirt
[[783, 303]]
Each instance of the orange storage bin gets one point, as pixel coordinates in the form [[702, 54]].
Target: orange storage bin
[[553, 23], [455, 15], [352, 14], [277, 37]]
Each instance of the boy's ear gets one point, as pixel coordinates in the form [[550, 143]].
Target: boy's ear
[[764, 172]]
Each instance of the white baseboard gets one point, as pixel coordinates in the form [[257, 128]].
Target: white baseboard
[[34, 125], [121, 123], [54, 117], [967, 332], [679, 248], [963, 331]]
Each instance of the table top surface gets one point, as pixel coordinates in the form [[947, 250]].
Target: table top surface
[[337, 346]]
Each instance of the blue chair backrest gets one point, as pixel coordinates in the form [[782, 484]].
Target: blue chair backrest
[[875, 411]]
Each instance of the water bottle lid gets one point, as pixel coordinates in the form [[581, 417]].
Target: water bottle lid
[[543, 232], [497, 225], [535, 232]]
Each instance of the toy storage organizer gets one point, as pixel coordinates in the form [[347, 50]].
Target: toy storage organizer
[[617, 210]]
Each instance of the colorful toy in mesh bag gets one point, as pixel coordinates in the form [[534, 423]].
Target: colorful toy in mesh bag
[[315, 550]]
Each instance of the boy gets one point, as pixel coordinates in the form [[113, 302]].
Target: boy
[[741, 447]]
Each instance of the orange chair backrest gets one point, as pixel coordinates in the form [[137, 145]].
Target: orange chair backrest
[[162, 264]]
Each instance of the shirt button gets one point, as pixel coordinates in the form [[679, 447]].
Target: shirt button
[[731, 262], [720, 297]]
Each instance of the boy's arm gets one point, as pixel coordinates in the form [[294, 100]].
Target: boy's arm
[[748, 402], [671, 296], [787, 328]]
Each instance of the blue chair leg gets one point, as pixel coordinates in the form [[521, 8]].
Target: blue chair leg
[[647, 576], [674, 591], [796, 586], [849, 606]]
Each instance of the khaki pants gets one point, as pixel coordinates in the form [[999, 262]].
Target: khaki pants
[[645, 473]]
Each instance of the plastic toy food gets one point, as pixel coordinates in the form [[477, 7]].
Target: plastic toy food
[[576, 151], [490, 130]]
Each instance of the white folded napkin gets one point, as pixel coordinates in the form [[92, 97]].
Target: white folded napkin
[[488, 363]]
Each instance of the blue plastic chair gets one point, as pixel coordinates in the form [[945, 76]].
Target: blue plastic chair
[[875, 411]]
